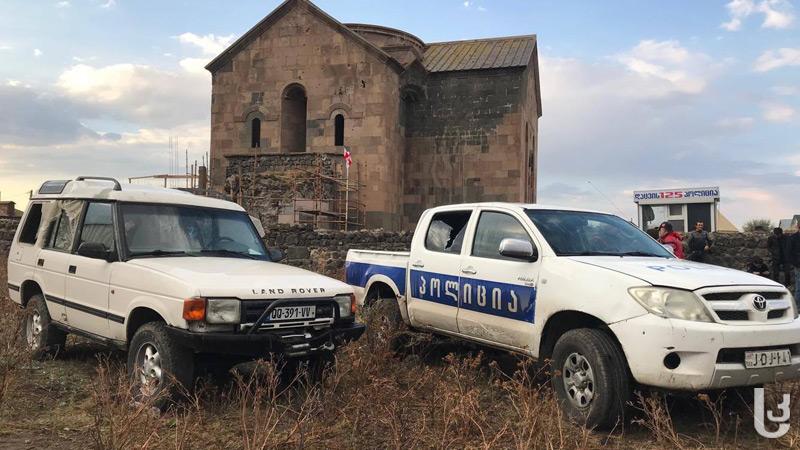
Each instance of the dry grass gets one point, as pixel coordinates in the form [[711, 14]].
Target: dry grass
[[435, 394]]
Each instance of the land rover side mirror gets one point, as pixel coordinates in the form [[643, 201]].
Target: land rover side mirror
[[259, 226], [94, 250], [518, 249], [276, 254]]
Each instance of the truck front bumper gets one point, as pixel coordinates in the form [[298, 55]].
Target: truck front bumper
[[711, 354], [291, 342]]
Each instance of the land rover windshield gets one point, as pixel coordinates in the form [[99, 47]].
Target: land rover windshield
[[153, 230], [576, 233]]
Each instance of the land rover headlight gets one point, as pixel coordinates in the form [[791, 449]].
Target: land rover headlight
[[223, 311], [671, 303], [347, 305]]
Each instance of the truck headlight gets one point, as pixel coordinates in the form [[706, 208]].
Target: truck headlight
[[223, 311], [671, 303], [347, 304]]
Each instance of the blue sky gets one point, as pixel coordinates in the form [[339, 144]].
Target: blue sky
[[636, 94]]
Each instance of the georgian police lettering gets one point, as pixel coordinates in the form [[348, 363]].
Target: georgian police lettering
[[481, 297]]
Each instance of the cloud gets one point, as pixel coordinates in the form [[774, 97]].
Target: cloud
[[736, 123], [777, 112], [194, 65], [63, 4], [775, 59], [669, 64], [787, 91], [138, 93], [37, 119], [777, 13], [37, 53], [109, 4], [209, 44]]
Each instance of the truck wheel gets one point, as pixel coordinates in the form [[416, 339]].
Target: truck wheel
[[158, 368], [387, 313], [38, 331], [590, 378]]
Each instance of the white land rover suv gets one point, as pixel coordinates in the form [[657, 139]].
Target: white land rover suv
[[169, 276]]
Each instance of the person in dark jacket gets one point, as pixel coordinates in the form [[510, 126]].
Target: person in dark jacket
[[699, 243], [777, 251], [794, 259], [758, 267]]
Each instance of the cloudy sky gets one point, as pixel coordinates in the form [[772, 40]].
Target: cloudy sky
[[636, 94]]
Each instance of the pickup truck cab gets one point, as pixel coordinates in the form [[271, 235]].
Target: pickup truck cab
[[170, 277], [599, 298]]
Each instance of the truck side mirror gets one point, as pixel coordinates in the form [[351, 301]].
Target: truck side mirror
[[276, 254], [94, 250], [518, 249]]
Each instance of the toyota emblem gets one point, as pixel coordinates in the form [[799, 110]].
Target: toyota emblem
[[760, 303]]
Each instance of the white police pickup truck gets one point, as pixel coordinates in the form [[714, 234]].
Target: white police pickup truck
[[171, 277], [604, 302]]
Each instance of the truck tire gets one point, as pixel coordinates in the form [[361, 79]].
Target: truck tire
[[590, 378], [387, 312], [38, 332], [313, 368], [158, 368]]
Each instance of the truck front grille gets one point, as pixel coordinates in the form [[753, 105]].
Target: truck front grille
[[738, 305]]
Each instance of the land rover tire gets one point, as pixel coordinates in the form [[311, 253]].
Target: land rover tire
[[590, 378], [38, 331], [312, 368], [159, 369]]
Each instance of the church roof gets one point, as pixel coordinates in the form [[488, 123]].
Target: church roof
[[475, 54]]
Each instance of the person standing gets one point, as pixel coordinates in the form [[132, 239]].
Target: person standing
[[794, 259], [778, 252], [699, 243], [667, 236]]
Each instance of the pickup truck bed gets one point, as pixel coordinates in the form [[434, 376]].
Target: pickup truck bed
[[365, 267]]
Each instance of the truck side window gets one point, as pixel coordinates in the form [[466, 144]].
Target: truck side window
[[62, 226], [492, 228], [98, 226], [446, 231], [32, 223]]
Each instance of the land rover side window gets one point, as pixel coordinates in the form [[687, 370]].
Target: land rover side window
[[98, 225], [32, 223], [492, 228], [64, 218], [446, 231]]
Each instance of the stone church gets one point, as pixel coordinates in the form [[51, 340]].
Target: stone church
[[426, 123]]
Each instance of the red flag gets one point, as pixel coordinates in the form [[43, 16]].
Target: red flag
[[347, 158]]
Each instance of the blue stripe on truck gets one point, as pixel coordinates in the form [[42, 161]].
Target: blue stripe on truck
[[359, 274], [513, 301]]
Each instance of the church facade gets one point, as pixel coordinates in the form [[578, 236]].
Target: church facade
[[427, 123]]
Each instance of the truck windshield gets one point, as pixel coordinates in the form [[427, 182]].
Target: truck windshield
[[574, 233], [172, 230]]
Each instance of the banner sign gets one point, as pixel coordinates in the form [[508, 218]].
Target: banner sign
[[683, 195]]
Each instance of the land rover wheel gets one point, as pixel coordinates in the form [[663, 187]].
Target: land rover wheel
[[312, 368], [159, 369], [38, 332], [590, 378]]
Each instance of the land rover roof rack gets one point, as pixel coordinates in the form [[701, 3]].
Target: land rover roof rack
[[117, 186]]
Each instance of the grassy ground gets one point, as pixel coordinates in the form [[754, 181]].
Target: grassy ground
[[439, 394]]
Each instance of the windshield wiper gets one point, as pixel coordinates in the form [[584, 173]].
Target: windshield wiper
[[228, 253], [588, 253], [159, 253], [641, 254]]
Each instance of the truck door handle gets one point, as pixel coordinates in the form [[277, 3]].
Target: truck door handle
[[73, 269], [40, 263], [418, 264], [469, 270]]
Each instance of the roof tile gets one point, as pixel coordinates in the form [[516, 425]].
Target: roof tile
[[479, 54]]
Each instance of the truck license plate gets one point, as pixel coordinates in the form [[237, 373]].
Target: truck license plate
[[767, 358], [293, 313]]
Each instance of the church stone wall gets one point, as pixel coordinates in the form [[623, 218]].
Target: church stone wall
[[464, 140]]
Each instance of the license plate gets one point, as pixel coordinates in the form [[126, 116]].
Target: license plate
[[767, 358], [292, 313]]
